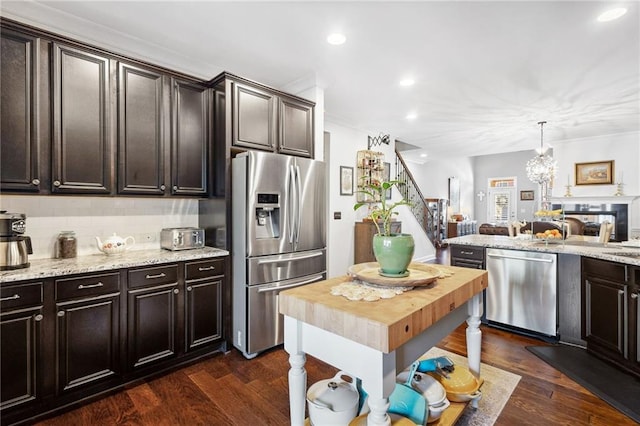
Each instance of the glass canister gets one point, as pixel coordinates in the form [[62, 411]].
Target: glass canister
[[67, 244]]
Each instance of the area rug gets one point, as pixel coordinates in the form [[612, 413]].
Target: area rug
[[618, 389], [497, 388]]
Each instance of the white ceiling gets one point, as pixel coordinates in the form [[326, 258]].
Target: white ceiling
[[485, 72]]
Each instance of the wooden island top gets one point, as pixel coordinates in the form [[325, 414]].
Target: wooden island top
[[385, 324]]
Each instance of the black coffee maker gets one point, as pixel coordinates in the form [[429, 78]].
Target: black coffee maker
[[15, 247]]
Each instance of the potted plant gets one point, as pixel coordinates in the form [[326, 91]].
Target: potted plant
[[392, 251]]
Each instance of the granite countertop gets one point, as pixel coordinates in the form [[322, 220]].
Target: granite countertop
[[44, 268], [615, 252]]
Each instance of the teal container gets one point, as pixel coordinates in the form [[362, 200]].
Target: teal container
[[393, 253]]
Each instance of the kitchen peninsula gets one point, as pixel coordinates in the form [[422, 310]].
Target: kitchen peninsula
[[584, 292], [374, 340], [615, 252]]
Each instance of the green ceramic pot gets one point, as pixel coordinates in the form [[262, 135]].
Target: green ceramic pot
[[393, 253]]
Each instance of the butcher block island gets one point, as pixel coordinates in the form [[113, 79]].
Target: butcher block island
[[376, 340]]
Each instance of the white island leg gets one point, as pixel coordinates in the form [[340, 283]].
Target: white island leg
[[378, 415], [474, 337], [297, 388], [297, 372]]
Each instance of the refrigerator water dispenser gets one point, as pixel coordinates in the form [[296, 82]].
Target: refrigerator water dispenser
[[267, 224]]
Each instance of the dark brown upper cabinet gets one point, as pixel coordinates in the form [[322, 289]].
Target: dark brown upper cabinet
[[82, 154], [296, 127], [254, 117], [19, 73], [189, 138], [268, 120], [141, 141]]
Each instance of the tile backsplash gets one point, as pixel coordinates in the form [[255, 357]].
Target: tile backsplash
[[91, 217]]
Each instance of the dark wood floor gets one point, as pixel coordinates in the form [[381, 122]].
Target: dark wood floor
[[227, 389]]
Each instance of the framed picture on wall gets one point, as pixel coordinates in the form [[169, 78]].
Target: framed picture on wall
[[595, 173], [346, 180], [526, 195]]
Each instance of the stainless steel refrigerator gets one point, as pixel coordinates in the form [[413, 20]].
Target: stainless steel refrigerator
[[278, 241]]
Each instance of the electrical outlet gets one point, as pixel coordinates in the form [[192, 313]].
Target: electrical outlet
[[149, 238]]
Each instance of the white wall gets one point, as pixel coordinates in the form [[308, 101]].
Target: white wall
[[344, 144], [90, 217], [433, 176]]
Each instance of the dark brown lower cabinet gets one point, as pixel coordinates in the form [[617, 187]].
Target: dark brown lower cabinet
[[64, 340], [152, 315], [605, 314], [20, 344], [87, 341], [467, 256], [203, 303], [610, 319]]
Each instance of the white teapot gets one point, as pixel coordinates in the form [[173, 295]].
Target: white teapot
[[115, 244]]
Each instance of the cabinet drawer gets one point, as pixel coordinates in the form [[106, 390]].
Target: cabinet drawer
[[21, 295], [467, 252], [604, 269], [87, 285], [204, 269], [156, 275]]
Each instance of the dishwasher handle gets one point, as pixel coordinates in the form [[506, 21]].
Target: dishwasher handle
[[529, 259]]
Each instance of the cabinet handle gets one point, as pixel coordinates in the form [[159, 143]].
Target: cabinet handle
[[208, 268], [60, 313], [175, 187], [14, 297], [160, 275], [35, 182], [56, 183], [465, 252], [634, 295], [38, 317], [189, 288], [176, 291], [162, 187], [82, 286]]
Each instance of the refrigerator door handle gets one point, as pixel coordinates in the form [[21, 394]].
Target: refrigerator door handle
[[284, 287], [298, 198], [291, 205], [289, 259]]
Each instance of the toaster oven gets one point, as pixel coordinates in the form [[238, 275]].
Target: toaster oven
[[181, 238]]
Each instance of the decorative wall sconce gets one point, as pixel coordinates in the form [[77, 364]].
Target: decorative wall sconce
[[378, 140]]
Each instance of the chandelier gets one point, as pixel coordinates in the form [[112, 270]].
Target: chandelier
[[541, 169]]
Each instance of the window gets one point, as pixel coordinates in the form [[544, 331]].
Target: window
[[501, 207]]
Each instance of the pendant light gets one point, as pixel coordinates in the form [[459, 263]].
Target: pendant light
[[541, 168]]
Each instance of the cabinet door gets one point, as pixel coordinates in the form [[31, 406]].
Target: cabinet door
[[87, 341], [203, 313], [19, 356], [152, 323], [254, 118], [82, 151], [190, 142], [296, 128], [605, 310], [140, 131], [19, 77]]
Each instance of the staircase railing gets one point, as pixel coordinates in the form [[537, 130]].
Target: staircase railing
[[425, 216]]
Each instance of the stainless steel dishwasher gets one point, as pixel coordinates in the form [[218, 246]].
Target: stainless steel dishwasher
[[522, 290]]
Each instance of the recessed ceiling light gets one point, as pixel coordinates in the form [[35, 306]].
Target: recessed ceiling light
[[423, 155], [411, 116], [336, 39], [612, 14], [405, 82]]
